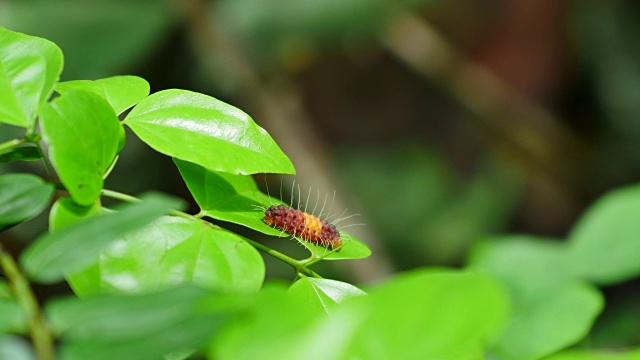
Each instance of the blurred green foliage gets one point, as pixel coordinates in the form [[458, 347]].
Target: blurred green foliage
[[605, 34], [98, 39], [426, 208], [433, 214]]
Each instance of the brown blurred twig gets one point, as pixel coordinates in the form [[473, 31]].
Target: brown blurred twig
[[515, 125]]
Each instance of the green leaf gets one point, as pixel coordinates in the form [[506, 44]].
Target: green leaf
[[236, 199], [15, 348], [22, 196], [233, 198], [122, 92], [65, 212], [421, 315], [430, 314], [113, 317], [26, 153], [532, 267], [619, 324], [323, 293], [552, 308], [268, 324], [75, 247], [122, 138], [12, 319], [172, 251], [203, 130], [139, 326], [5, 292], [82, 132], [596, 355], [560, 320], [603, 245], [29, 66]]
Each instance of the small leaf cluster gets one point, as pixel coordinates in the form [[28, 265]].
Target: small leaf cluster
[[151, 281]]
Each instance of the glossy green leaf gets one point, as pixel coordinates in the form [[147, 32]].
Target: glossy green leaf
[[75, 247], [12, 319], [236, 199], [604, 245], [122, 138], [430, 314], [82, 132], [29, 67], [65, 212], [233, 198], [172, 251], [552, 308], [26, 153], [122, 92], [323, 293], [139, 326], [203, 130], [22, 196]]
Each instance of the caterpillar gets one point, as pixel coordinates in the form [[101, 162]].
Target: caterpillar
[[303, 225]]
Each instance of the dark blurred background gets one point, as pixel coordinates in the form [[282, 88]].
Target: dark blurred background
[[440, 122]]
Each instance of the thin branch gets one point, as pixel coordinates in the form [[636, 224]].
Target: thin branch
[[12, 143], [131, 199], [45, 161], [537, 137], [284, 258], [40, 335]]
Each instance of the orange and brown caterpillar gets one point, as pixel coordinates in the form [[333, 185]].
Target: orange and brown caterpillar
[[303, 225]]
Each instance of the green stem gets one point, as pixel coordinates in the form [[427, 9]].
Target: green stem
[[314, 259], [45, 161], [11, 143], [30, 138], [42, 339], [131, 199], [119, 196], [300, 267], [113, 165]]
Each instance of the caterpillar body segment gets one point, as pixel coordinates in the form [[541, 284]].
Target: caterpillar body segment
[[303, 225]]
